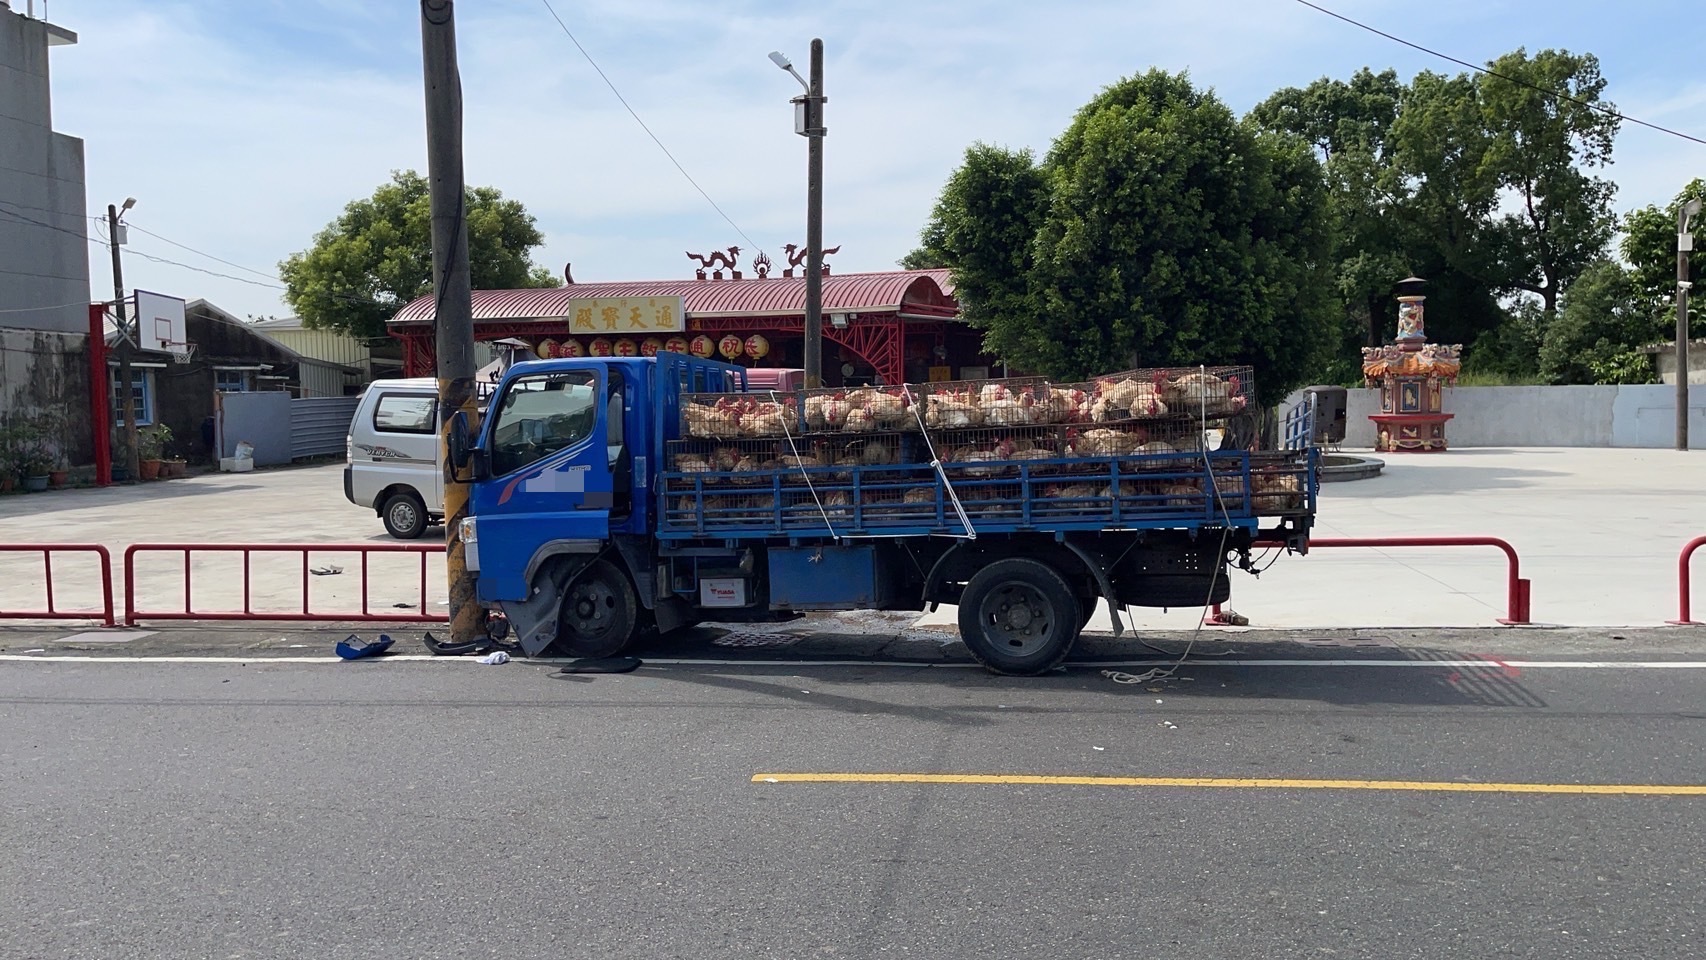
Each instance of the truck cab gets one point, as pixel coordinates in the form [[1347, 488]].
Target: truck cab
[[563, 468]]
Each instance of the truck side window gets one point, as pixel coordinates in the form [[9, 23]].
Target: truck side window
[[542, 414]]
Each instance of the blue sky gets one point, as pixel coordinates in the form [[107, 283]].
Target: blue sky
[[243, 126]]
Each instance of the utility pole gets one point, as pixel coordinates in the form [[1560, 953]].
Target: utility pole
[[454, 313], [1684, 244], [126, 345], [814, 220]]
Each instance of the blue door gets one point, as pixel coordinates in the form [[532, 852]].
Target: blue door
[[545, 440]]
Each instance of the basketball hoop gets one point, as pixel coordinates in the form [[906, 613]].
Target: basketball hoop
[[182, 352]]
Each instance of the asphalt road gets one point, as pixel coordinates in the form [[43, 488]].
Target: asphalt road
[[413, 810]]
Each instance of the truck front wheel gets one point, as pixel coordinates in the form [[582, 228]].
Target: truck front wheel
[[1019, 617], [598, 614]]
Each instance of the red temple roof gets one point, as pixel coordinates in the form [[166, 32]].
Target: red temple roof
[[926, 292]]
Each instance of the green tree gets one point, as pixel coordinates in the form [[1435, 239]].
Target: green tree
[[1158, 231], [1547, 128], [1601, 323], [377, 256], [1649, 247]]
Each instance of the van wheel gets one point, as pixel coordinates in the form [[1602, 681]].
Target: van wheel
[[598, 613], [1019, 617], [405, 516]]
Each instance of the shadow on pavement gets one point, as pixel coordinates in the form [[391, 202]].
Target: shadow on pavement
[[20, 505]]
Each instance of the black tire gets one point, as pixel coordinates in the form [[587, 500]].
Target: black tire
[[1019, 617], [598, 614], [405, 516]]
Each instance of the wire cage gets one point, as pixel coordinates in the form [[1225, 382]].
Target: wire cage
[[859, 410], [1153, 393], [968, 404], [732, 416]]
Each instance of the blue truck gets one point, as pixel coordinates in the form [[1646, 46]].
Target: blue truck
[[613, 499]]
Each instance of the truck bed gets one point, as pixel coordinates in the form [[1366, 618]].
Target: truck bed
[[1235, 489]]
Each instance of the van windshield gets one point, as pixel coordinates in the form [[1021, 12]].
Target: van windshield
[[540, 415]]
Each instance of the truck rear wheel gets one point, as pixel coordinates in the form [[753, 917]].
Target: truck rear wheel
[[598, 613], [1019, 617]]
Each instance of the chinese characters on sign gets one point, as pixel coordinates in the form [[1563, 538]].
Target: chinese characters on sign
[[625, 315]]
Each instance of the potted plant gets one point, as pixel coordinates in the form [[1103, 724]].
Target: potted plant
[[150, 446], [34, 457]]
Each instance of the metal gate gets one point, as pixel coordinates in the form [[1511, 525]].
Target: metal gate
[[318, 425]]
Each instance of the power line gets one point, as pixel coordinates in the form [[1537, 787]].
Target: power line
[[1493, 73], [648, 130], [211, 273], [23, 218], [199, 253]]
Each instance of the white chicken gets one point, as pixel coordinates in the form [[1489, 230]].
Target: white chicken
[[860, 420], [721, 419], [691, 463], [746, 470], [1103, 443]]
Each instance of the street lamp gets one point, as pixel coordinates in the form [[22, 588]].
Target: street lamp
[[808, 123], [1684, 245]]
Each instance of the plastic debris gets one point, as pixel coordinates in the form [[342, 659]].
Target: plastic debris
[[329, 570], [1098, 748], [353, 649], [493, 658]]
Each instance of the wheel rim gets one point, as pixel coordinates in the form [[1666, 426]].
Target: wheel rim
[[1018, 620], [403, 516], [592, 609]]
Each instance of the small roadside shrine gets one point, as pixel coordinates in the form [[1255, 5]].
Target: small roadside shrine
[[1411, 375]]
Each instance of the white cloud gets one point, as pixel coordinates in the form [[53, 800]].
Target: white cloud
[[242, 137]]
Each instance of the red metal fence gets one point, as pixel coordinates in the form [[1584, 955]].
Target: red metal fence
[[1516, 588], [47, 550], [1683, 586], [133, 612]]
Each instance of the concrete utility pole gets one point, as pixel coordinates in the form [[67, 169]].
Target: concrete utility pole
[[814, 220], [454, 313], [1684, 244], [126, 345]]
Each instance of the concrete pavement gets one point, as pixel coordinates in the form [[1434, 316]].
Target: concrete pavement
[[420, 811]]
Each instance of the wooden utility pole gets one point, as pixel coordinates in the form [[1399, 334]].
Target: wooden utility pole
[[454, 312], [814, 220], [126, 346]]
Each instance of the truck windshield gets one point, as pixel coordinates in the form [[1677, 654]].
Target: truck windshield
[[540, 415]]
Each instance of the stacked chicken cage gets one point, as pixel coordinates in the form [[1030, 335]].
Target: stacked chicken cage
[[1123, 446]]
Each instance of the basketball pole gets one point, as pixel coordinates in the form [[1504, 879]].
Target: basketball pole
[[454, 313]]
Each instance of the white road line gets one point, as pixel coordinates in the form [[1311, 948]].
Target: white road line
[[1105, 664]]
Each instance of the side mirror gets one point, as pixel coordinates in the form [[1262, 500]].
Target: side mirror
[[459, 438]]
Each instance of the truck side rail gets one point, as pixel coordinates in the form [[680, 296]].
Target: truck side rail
[[1168, 491]]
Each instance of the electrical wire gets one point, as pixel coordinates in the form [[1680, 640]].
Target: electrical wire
[[1599, 108], [649, 133], [199, 253]]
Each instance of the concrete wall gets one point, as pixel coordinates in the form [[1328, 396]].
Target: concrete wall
[[44, 250], [48, 373], [1564, 416]]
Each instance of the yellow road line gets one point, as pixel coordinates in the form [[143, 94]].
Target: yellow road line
[[1238, 783]]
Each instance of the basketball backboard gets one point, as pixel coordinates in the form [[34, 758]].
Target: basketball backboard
[[160, 323]]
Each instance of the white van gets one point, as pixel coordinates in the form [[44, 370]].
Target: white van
[[391, 456]]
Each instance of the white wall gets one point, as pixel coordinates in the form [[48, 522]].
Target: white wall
[[1566, 416]]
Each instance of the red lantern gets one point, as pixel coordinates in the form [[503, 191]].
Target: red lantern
[[676, 344], [599, 347], [627, 348], [650, 347], [757, 347], [702, 347], [730, 347], [570, 348]]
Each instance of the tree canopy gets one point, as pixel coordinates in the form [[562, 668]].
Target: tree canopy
[[1158, 231], [377, 255]]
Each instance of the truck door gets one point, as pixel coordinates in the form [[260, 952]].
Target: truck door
[[547, 446]]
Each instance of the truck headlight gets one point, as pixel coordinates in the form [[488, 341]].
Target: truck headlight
[[466, 531]]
